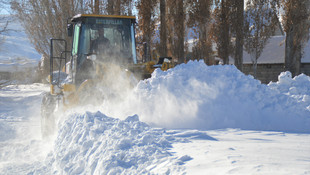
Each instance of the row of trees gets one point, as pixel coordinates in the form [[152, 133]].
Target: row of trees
[[230, 25], [296, 25]]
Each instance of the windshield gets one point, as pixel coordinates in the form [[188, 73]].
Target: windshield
[[110, 39]]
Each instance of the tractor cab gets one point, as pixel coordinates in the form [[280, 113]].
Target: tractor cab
[[99, 39]]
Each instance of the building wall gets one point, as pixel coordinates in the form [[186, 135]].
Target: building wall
[[265, 72], [305, 68], [270, 72]]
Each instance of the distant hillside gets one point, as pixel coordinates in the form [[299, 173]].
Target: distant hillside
[[16, 52]]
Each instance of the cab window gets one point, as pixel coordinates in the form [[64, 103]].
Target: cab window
[[76, 39]]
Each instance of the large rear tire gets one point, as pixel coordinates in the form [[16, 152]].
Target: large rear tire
[[48, 106]]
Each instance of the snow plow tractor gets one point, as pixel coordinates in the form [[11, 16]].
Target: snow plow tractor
[[103, 54]]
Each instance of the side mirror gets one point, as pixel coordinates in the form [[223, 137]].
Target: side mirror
[[70, 30]]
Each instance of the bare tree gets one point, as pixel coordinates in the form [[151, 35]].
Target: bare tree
[[179, 25], [171, 10], [222, 28], [199, 20], [146, 23], [163, 31], [296, 26], [118, 7], [260, 19], [45, 19], [224, 34], [113, 7], [97, 11], [4, 21], [175, 27], [238, 25]]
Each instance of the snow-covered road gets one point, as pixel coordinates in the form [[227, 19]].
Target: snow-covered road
[[104, 140], [21, 145]]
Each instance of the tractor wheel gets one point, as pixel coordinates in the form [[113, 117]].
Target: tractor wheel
[[48, 106]]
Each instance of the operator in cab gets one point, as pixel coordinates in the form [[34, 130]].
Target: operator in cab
[[101, 45]]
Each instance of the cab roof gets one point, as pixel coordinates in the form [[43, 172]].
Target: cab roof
[[81, 17]]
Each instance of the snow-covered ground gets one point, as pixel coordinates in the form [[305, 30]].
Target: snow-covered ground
[[192, 119]]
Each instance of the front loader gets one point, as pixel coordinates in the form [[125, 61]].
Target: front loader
[[88, 75]]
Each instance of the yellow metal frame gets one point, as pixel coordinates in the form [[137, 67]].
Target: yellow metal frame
[[103, 16], [52, 89], [68, 87]]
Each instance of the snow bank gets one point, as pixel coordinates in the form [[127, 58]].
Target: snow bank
[[92, 143], [197, 96], [297, 87]]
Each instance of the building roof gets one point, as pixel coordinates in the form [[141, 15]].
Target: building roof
[[274, 52]]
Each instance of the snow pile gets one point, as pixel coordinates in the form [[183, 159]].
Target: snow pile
[[6, 132], [197, 96], [297, 87], [93, 143]]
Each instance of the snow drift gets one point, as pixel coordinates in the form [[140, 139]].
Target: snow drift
[[92, 143], [297, 87], [198, 96]]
